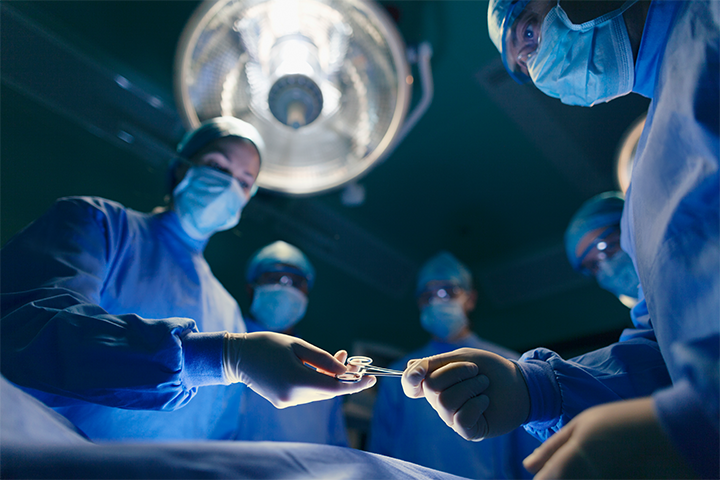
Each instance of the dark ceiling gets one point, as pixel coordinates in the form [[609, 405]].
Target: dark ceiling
[[492, 172]]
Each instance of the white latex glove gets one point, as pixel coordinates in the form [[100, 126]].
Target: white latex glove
[[477, 393], [615, 440], [273, 365]]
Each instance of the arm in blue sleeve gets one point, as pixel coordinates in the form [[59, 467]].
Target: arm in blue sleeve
[[561, 389], [387, 412], [56, 339], [338, 430]]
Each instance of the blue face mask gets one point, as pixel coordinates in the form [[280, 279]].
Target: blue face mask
[[208, 201], [584, 64], [444, 319], [278, 307], [617, 275]]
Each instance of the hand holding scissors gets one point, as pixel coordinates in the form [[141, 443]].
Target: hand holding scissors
[[364, 367]]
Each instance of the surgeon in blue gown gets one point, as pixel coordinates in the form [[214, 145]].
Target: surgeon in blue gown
[[592, 245], [280, 277], [586, 53], [401, 427], [114, 318]]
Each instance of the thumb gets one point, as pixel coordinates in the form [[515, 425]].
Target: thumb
[[318, 358], [413, 377]]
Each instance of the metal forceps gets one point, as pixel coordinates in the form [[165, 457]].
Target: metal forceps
[[365, 368]]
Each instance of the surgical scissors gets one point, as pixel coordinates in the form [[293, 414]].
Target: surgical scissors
[[365, 369]]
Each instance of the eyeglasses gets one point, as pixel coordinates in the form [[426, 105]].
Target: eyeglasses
[[521, 40], [603, 247], [442, 293], [283, 278]]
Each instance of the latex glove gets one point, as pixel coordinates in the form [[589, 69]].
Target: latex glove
[[477, 393], [273, 365], [615, 440]]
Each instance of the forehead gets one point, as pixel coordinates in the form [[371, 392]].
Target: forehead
[[237, 150], [438, 284]]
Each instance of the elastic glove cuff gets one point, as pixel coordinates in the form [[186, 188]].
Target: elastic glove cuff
[[232, 356], [202, 359]]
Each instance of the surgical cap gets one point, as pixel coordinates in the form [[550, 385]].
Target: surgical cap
[[444, 267], [501, 16], [602, 210], [216, 128], [275, 257]]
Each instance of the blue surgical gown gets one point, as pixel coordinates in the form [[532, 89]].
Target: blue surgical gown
[[411, 430], [317, 422], [102, 309], [670, 227]]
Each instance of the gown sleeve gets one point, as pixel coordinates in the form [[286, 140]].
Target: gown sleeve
[[561, 389], [60, 345], [384, 425]]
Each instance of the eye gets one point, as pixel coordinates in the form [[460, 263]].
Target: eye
[[529, 33], [218, 167], [244, 185]]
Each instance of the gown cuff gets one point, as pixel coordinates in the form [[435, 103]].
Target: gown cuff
[[545, 398], [202, 359]]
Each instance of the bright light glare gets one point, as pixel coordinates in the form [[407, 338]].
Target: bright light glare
[[234, 51]]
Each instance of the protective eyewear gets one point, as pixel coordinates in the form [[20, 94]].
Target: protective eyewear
[[289, 279], [444, 293], [603, 247], [521, 38]]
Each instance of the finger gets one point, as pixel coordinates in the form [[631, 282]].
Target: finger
[[569, 461], [456, 396], [413, 377], [318, 358], [449, 375], [327, 382], [341, 356], [536, 460], [470, 422], [442, 359], [411, 362]]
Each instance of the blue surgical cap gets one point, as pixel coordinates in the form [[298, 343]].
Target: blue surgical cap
[[501, 16], [275, 258], [216, 128], [602, 210], [444, 267]]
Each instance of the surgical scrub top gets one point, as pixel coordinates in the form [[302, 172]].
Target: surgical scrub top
[[101, 309], [411, 430], [316, 422], [670, 227]]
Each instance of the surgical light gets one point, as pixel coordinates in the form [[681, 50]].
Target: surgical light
[[625, 156], [326, 82]]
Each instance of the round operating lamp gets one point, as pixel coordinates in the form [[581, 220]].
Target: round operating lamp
[[625, 156], [325, 82]]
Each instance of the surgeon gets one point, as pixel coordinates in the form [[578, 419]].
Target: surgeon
[[611, 413], [114, 318], [401, 427], [592, 245], [279, 279]]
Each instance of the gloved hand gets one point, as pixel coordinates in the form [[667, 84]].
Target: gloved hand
[[616, 440], [273, 365], [477, 393]]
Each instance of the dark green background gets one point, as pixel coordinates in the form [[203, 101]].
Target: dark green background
[[466, 179]]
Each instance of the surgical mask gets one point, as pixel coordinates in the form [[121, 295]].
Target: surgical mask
[[617, 275], [444, 319], [208, 201], [584, 64], [278, 307]]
